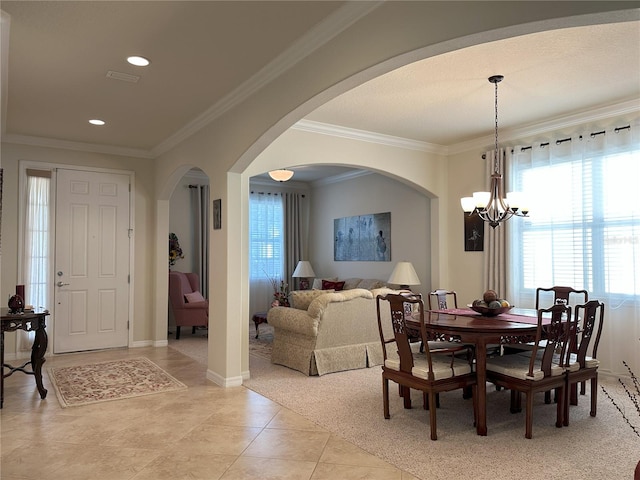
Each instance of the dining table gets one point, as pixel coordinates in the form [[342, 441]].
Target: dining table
[[464, 324]]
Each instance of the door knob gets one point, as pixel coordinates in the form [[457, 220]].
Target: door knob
[[60, 284]]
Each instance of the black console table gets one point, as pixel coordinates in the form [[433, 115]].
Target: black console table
[[29, 322]]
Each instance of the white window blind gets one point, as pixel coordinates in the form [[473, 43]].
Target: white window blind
[[584, 228], [266, 230]]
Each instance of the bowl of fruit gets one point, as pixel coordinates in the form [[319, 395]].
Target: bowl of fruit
[[490, 304]]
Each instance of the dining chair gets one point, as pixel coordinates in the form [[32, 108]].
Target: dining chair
[[583, 364], [438, 299], [540, 370], [550, 296], [424, 371]]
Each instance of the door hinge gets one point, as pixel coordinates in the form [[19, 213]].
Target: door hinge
[[129, 278], [129, 232], [127, 324]]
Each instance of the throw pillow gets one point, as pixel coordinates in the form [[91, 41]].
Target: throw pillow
[[317, 283], [337, 286], [194, 297]]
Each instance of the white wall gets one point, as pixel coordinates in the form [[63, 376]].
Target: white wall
[[372, 193]]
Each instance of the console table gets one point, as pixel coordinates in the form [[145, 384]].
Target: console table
[[29, 322]]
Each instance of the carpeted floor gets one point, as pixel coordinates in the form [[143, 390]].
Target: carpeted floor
[[350, 405], [113, 380]]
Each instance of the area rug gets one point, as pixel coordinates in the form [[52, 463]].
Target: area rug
[[112, 380]]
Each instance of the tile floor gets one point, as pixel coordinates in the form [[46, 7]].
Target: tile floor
[[205, 432]]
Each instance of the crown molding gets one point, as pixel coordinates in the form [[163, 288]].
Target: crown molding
[[333, 25], [76, 146], [366, 136], [343, 177]]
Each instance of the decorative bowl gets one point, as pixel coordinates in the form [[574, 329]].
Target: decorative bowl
[[489, 312]]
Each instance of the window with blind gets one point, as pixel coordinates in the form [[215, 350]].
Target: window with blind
[[266, 224], [584, 228]]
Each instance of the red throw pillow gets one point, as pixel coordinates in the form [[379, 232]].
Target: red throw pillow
[[327, 285]]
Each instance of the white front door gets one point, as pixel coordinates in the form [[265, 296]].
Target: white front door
[[91, 276]]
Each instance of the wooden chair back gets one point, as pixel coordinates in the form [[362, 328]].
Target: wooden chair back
[[556, 336], [567, 294], [588, 338], [438, 299]]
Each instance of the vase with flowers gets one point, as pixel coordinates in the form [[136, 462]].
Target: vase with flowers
[[280, 293], [175, 252]]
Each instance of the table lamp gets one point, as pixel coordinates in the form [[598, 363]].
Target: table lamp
[[303, 271], [404, 275]]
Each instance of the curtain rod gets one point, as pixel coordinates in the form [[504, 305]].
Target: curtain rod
[[271, 193], [562, 140]]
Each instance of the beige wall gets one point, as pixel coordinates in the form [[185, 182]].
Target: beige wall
[[143, 217], [410, 238]]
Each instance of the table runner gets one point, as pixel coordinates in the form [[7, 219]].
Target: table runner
[[505, 317]]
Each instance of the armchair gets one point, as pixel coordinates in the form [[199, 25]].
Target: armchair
[[189, 307]]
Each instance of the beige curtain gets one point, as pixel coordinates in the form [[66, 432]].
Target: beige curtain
[[495, 255], [200, 209], [294, 237]]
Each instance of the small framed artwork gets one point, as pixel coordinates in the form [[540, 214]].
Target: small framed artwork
[[217, 214], [473, 233]]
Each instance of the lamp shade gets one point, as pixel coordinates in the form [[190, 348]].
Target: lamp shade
[[281, 175], [404, 274], [303, 270]]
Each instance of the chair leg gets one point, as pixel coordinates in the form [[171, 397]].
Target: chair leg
[[193, 330], [467, 393], [573, 394], [561, 394], [406, 396], [177, 333], [594, 396], [385, 397], [516, 401], [547, 397], [432, 415], [567, 401], [528, 432]]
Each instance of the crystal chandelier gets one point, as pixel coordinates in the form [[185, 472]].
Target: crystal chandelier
[[492, 206]]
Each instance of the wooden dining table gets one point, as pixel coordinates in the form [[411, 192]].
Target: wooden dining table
[[516, 326]]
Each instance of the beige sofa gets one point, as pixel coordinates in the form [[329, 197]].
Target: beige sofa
[[326, 331]]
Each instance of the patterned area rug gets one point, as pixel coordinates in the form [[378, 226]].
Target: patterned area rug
[[112, 380]]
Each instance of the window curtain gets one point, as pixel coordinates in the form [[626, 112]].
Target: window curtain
[[495, 254], [266, 248], [293, 234], [200, 209], [36, 249], [584, 230]]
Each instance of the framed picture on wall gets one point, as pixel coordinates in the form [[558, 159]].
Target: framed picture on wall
[[217, 214], [473, 233]]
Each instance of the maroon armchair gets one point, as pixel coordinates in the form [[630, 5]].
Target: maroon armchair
[[189, 307]]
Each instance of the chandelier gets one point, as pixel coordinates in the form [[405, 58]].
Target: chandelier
[[492, 206], [281, 175]]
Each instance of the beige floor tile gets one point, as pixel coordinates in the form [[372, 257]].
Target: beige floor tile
[[203, 432], [252, 468], [183, 463], [288, 420], [339, 451], [220, 439], [326, 471], [288, 444], [243, 415]]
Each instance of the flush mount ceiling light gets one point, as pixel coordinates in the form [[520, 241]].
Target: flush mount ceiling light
[[97, 121], [138, 61], [492, 206], [281, 175]]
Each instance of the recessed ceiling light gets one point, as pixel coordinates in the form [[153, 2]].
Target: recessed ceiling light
[[138, 61], [96, 121]]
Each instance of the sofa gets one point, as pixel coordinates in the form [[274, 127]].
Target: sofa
[[327, 331]]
